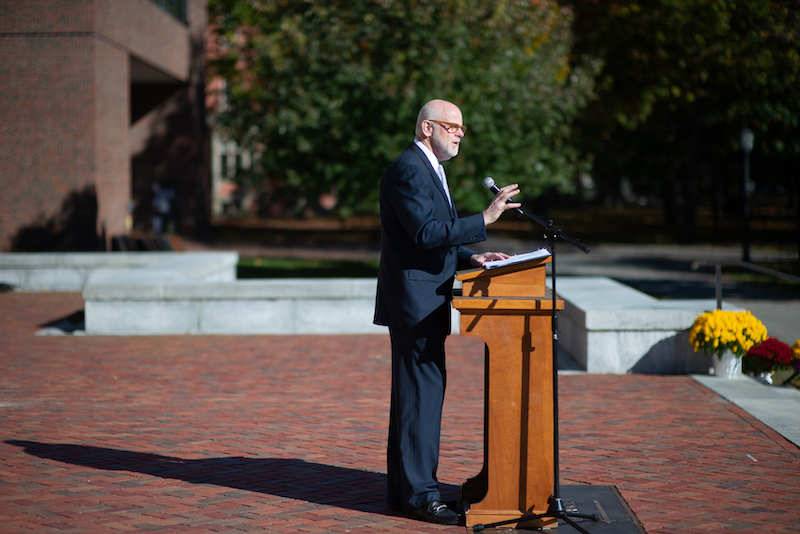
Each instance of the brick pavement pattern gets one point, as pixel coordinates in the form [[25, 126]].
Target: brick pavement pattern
[[287, 434]]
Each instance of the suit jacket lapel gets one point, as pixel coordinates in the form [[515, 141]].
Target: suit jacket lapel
[[434, 176]]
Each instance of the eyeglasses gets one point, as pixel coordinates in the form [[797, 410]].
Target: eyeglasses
[[451, 127]]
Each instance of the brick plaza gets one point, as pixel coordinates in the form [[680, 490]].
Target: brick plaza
[[287, 434]]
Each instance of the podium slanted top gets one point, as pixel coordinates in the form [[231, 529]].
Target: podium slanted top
[[516, 279], [518, 258]]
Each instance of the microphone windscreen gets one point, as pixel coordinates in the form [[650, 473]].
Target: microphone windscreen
[[488, 182]]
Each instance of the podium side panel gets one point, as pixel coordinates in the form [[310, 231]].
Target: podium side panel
[[518, 456]]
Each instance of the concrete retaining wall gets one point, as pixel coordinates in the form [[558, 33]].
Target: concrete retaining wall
[[606, 327], [68, 272], [154, 293], [302, 306]]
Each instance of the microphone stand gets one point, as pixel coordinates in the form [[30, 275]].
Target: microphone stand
[[556, 508]]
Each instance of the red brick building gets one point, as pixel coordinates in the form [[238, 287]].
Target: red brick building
[[101, 106]]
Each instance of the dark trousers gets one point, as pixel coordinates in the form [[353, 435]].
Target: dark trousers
[[415, 419]]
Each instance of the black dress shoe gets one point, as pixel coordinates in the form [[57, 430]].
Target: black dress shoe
[[453, 505], [437, 512]]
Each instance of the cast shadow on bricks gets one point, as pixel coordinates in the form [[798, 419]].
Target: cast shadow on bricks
[[291, 478]]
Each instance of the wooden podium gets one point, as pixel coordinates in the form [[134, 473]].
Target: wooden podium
[[511, 310]]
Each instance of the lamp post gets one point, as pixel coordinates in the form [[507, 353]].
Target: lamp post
[[746, 139]]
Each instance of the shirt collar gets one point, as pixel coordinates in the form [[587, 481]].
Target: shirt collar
[[431, 156]]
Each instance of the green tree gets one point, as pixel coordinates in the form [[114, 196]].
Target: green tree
[[327, 92], [679, 81]]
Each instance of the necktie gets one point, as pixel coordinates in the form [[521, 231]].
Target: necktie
[[443, 178]]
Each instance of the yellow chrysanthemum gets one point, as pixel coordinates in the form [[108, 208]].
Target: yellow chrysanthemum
[[716, 331]]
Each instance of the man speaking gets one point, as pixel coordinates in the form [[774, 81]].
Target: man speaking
[[422, 244]]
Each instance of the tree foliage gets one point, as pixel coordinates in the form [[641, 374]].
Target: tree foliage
[[679, 81], [327, 92], [741, 55]]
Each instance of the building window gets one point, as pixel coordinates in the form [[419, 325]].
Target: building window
[[176, 8], [223, 160]]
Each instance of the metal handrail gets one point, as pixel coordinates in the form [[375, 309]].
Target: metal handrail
[[743, 264]]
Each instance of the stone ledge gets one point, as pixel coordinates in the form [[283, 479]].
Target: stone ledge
[[310, 288], [608, 327], [74, 271], [151, 293], [299, 306]]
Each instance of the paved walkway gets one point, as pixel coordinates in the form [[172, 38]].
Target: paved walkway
[[286, 434]]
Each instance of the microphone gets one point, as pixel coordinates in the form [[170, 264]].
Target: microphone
[[489, 184]]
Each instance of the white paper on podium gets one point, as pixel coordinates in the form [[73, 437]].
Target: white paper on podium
[[518, 258]]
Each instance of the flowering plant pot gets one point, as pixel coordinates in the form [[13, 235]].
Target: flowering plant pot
[[718, 331], [728, 365], [767, 356], [796, 356]]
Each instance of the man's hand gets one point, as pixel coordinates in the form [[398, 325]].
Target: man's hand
[[498, 204], [479, 260]]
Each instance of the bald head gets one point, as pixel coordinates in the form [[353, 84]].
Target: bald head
[[438, 138], [440, 110]]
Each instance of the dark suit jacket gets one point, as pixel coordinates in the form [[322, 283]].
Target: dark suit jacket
[[421, 245]]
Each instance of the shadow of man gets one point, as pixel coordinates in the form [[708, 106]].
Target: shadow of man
[[363, 491]]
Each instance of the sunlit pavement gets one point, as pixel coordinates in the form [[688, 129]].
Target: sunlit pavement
[[287, 434]]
